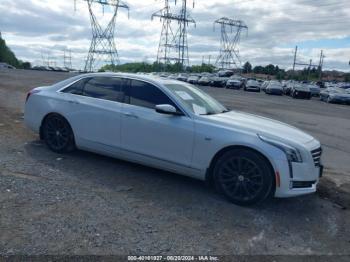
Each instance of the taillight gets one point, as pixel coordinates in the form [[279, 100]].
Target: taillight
[[33, 91]]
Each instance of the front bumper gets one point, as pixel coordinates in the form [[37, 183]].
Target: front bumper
[[303, 181], [302, 94], [274, 91]]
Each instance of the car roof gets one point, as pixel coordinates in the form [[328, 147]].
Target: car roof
[[149, 78]]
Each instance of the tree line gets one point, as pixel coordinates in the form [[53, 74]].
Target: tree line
[[157, 67], [7, 56]]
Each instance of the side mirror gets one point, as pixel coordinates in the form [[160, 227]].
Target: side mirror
[[167, 109]]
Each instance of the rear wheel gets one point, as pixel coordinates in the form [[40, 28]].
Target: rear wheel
[[244, 177], [58, 134]]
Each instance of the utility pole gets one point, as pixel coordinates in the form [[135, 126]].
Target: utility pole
[[230, 37], [103, 49], [173, 47], [320, 66], [295, 57], [309, 65], [308, 70]]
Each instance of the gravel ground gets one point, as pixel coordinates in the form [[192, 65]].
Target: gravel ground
[[83, 203]]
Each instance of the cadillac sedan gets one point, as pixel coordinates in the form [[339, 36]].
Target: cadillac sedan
[[175, 126]]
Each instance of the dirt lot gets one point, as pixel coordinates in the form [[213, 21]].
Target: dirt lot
[[83, 203]]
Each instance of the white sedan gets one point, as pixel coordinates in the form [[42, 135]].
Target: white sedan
[[175, 126]]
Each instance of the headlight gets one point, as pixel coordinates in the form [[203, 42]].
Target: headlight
[[293, 154]]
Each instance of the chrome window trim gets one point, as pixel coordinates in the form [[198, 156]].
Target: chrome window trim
[[163, 89]]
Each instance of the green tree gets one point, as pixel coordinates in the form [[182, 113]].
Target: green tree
[[247, 67], [6, 55]]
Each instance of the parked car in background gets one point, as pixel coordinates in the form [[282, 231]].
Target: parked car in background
[[193, 80], [172, 76], [6, 66], [314, 89], [225, 73], [321, 84], [335, 95], [288, 87], [274, 88], [184, 130], [182, 77], [234, 83], [204, 81], [218, 81], [264, 85], [300, 91], [252, 85]]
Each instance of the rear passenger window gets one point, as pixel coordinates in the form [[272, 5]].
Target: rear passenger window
[[108, 88], [147, 95], [75, 88]]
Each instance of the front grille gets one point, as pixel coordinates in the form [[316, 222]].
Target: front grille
[[316, 155], [303, 184]]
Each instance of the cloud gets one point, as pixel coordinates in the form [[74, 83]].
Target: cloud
[[32, 27]]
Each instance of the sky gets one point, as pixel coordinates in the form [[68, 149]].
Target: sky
[[38, 29]]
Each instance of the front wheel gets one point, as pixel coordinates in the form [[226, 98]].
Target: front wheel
[[58, 134], [244, 177]]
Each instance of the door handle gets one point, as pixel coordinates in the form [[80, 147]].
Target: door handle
[[130, 115]]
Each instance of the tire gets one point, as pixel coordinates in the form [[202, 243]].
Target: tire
[[58, 134], [244, 177], [328, 100]]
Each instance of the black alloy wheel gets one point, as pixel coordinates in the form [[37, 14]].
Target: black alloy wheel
[[244, 177], [58, 134]]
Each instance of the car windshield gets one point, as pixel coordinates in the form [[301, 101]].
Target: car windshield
[[196, 100]]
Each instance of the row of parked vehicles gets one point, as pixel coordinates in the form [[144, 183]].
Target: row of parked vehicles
[[326, 91]]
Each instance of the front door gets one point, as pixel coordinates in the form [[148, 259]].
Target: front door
[[146, 132]]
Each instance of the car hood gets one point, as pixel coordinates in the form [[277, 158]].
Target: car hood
[[261, 125]]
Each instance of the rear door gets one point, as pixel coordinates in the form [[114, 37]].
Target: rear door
[[96, 112], [146, 132]]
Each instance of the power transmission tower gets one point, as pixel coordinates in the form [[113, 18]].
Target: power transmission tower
[[103, 48], [309, 65], [45, 59], [230, 37], [173, 46], [67, 58]]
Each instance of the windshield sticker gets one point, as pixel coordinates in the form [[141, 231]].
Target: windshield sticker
[[184, 95], [199, 110]]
